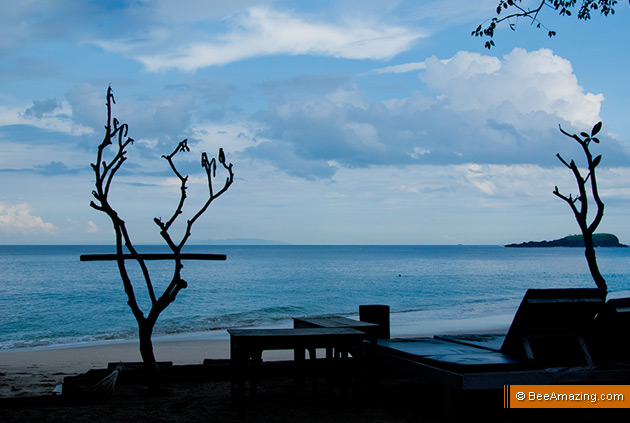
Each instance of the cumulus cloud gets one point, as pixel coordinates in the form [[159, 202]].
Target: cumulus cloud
[[475, 109], [530, 82], [18, 219], [262, 31]]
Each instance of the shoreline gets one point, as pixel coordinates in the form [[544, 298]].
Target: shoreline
[[38, 372]]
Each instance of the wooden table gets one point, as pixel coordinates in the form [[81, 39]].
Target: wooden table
[[247, 346], [371, 329], [334, 322]]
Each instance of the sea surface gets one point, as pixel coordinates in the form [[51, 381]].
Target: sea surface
[[49, 298]]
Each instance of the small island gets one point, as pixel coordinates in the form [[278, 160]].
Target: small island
[[599, 240]]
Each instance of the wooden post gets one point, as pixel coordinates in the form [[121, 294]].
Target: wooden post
[[379, 314]]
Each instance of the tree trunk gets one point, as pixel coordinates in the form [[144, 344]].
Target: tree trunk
[[592, 262], [148, 358]]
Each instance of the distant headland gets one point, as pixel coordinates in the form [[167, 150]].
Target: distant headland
[[599, 240]]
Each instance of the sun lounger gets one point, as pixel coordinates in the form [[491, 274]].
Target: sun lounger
[[546, 344], [610, 340], [487, 341], [551, 326]]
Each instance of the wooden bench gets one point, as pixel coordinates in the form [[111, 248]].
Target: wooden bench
[[247, 346]]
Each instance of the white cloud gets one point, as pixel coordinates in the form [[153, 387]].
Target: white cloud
[[528, 82], [476, 176], [59, 119], [476, 108], [520, 184], [18, 219], [406, 67], [261, 31], [92, 227]]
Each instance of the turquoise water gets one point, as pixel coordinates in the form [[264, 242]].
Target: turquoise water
[[50, 298]]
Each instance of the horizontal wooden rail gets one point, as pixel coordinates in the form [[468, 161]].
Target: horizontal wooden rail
[[154, 256]]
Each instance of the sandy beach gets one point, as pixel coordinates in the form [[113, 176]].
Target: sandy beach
[[38, 372], [202, 392], [28, 379]]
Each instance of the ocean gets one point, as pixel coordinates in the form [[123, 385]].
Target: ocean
[[50, 299]]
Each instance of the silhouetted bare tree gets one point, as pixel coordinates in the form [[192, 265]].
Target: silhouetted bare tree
[[513, 10], [581, 212], [116, 139]]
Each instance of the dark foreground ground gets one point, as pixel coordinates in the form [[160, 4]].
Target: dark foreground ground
[[202, 394]]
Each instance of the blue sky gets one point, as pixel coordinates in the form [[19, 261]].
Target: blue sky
[[347, 122]]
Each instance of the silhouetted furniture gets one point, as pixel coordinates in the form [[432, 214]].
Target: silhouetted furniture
[[378, 314], [546, 344], [247, 346], [610, 340], [371, 329], [551, 326], [335, 322]]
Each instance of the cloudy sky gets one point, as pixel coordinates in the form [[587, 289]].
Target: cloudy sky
[[346, 121]]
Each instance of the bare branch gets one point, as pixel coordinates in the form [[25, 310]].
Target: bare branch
[[104, 176], [182, 146], [563, 161], [581, 213], [105, 173], [210, 168]]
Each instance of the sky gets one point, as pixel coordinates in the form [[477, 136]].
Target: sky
[[346, 121]]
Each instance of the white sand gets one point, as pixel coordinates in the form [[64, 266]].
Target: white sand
[[80, 359], [37, 372]]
